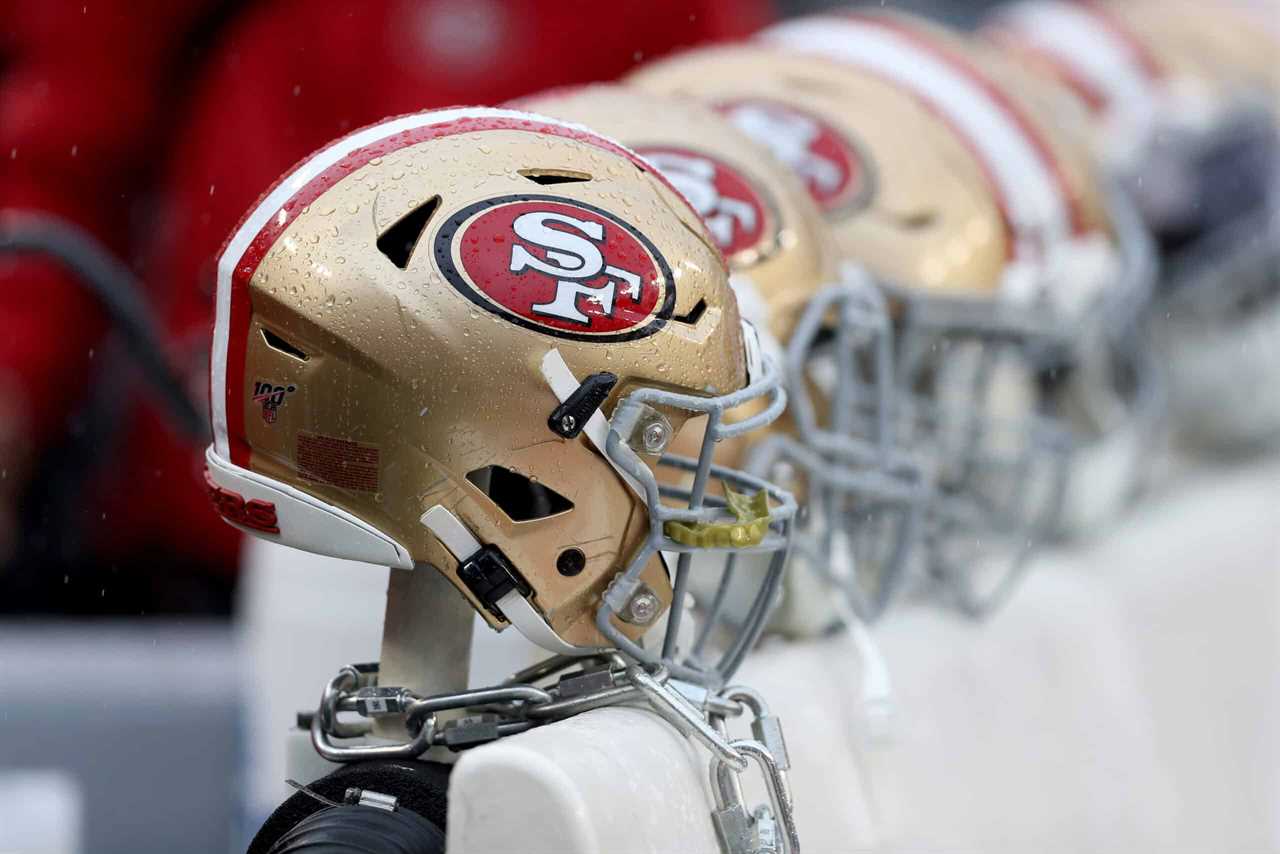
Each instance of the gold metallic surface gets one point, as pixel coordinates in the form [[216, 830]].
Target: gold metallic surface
[[1226, 45], [1067, 136], [795, 254], [399, 360], [931, 220]]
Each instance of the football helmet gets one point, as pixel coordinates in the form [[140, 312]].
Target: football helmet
[[1181, 100], [830, 328], [460, 341], [989, 234]]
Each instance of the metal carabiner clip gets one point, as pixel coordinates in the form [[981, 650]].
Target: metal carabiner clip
[[325, 727], [740, 833], [765, 727], [678, 712]]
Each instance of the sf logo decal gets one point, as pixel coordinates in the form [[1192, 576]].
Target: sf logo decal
[[564, 268], [572, 259], [828, 162], [734, 212]]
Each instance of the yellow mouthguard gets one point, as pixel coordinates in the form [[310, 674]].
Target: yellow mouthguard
[[751, 512]]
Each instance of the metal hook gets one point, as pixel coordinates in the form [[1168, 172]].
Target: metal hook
[[738, 832]]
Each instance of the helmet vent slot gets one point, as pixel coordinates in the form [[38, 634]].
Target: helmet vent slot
[[809, 83], [521, 498], [275, 342], [917, 220], [694, 314], [547, 177], [399, 241]]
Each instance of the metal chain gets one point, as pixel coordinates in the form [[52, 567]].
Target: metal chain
[[569, 686]]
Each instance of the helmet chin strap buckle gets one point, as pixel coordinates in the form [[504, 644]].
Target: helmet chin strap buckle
[[496, 583], [876, 688], [489, 574]]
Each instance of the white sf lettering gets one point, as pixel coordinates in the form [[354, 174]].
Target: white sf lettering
[[571, 260], [790, 137], [695, 177]]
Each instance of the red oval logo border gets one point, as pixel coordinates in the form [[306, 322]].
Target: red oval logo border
[[460, 220], [766, 242], [860, 186]]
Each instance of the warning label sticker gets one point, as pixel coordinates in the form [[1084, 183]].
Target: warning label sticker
[[338, 462]]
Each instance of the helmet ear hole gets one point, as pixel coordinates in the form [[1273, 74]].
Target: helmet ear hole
[[523, 499], [571, 562], [399, 241], [917, 220]]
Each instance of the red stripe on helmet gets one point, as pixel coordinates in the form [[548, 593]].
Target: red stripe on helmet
[[1012, 39], [1138, 49], [966, 68]]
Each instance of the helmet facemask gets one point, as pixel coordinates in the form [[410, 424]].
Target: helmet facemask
[[687, 519], [969, 403], [865, 495], [1112, 395], [1034, 427]]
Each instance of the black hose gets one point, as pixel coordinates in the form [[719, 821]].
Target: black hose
[[121, 297], [361, 830], [422, 789]]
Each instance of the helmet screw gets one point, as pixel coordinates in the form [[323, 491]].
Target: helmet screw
[[642, 608], [571, 562], [655, 437], [568, 423]]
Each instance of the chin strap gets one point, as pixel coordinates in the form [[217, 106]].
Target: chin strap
[[455, 536], [876, 690]]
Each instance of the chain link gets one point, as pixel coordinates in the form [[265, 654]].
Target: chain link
[[569, 686]]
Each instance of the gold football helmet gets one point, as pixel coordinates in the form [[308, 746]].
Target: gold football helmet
[[460, 341], [989, 232], [1182, 99], [827, 323]]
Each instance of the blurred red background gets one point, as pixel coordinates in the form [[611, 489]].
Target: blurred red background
[[153, 126]]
